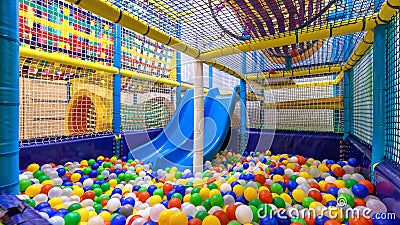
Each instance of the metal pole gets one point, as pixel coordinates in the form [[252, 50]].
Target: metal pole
[[243, 107], [9, 97], [117, 90], [198, 126]]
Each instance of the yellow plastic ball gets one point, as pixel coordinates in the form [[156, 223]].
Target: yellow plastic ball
[[92, 214], [327, 197], [291, 166], [250, 193], [165, 215], [75, 177], [55, 201], [33, 167], [213, 192], [33, 190], [298, 195], [100, 158], [113, 159], [314, 204], [186, 198], [84, 214], [178, 218], [205, 193], [174, 170], [78, 191], [286, 198], [155, 199], [59, 206], [138, 169], [305, 175], [322, 184], [113, 182], [238, 190], [47, 182], [335, 213], [274, 195], [84, 163], [218, 183], [339, 183], [334, 166], [231, 180], [277, 178], [211, 220], [105, 215], [323, 168], [263, 188]]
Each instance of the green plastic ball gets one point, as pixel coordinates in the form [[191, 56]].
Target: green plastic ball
[[196, 199], [72, 218], [217, 200], [201, 215]]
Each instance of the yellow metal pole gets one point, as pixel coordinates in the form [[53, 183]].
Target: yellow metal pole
[[291, 37], [114, 14], [362, 48]]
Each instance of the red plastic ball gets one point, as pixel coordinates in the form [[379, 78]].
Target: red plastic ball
[[104, 202], [301, 159], [46, 188], [359, 220], [260, 179], [339, 172], [332, 222], [367, 184], [194, 221], [265, 197], [315, 185], [221, 215], [68, 176], [143, 196], [316, 195], [230, 212], [359, 202], [133, 218], [296, 223], [167, 187], [309, 220], [88, 195], [174, 203]]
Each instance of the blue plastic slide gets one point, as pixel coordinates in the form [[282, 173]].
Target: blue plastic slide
[[174, 146]]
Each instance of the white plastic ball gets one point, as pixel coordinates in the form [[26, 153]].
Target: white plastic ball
[[244, 214]]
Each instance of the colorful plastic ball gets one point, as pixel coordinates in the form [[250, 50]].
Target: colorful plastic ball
[[268, 220], [345, 198], [164, 216], [307, 201], [72, 218], [360, 190], [201, 215], [238, 190], [24, 184], [217, 200], [178, 218], [299, 220], [57, 220], [265, 196], [174, 203], [250, 193], [298, 195], [195, 221], [359, 220], [276, 188], [231, 212], [33, 190], [244, 214], [222, 217], [353, 162], [155, 212], [211, 220], [196, 199], [143, 196], [320, 220]]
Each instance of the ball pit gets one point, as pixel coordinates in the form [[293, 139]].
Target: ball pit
[[234, 189]]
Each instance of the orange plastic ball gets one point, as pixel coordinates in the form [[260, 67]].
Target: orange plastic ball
[[309, 220], [359, 221], [367, 184], [46, 188], [359, 202], [316, 195], [230, 212], [222, 217], [332, 222], [265, 197], [339, 171], [174, 203], [329, 185], [143, 196], [194, 221], [167, 187]]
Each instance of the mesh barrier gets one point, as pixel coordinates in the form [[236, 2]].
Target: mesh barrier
[[306, 104], [60, 102], [145, 105], [363, 99], [392, 151]]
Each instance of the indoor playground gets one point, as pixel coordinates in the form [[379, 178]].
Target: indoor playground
[[199, 112]]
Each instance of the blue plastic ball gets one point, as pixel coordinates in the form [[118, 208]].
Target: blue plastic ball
[[268, 220], [61, 172], [333, 191], [116, 191], [360, 190], [95, 166], [181, 189], [320, 220], [170, 193], [48, 210], [165, 203], [93, 173], [87, 188], [152, 188], [282, 218], [245, 165], [331, 203], [291, 185], [353, 162], [42, 205], [118, 220], [241, 199], [150, 223], [129, 200], [67, 183], [124, 158], [231, 193], [233, 184]]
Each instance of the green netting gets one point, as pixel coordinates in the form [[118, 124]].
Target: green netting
[[392, 151], [362, 99]]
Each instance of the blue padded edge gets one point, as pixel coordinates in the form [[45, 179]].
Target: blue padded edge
[[137, 138], [26, 215], [65, 151], [319, 145], [387, 181]]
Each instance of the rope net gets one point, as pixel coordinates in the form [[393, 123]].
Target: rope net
[[392, 151]]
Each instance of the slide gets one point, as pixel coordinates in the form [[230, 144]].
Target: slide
[[174, 146]]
